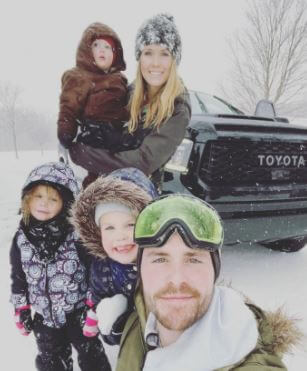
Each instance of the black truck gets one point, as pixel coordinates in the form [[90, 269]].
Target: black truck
[[252, 169]]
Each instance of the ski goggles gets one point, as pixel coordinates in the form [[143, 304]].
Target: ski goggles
[[197, 222]]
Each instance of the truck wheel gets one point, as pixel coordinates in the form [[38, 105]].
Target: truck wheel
[[288, 244]]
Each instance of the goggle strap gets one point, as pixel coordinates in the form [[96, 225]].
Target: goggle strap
[[185, 233]]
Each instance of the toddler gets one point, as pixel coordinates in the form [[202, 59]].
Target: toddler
[[49, 273], [94, 93], [104, 215]]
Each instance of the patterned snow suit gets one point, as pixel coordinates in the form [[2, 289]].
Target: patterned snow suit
[[52, 278]]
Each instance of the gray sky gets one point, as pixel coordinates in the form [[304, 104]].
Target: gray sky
[[39, 40]]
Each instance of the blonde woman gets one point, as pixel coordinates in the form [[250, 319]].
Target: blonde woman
[[159, 106]]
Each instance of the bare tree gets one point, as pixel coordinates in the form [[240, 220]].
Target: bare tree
[[9, 96], [270, 56]]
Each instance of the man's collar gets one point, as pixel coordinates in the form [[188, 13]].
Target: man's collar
[[151, 334]]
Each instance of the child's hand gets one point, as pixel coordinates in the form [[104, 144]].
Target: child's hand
[[110, 309], [90, 328], [24, 320]]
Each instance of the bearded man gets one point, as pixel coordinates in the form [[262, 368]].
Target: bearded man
[[183, 320]]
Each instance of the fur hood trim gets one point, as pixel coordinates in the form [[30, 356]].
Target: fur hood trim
[[280, 332], [108, 189], [84, 57]]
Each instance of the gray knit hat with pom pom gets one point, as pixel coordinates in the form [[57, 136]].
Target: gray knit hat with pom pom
[[160, 29]]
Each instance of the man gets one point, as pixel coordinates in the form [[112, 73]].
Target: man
[[183, 320]]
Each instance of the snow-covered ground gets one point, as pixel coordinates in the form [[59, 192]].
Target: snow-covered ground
[[270, 279]]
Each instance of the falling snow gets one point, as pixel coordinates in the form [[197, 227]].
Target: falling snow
[[268, 278]]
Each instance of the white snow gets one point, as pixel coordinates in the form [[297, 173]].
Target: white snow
[[269, 279]]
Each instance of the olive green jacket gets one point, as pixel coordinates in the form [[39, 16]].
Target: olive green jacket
[[155, 150], [277, 335]]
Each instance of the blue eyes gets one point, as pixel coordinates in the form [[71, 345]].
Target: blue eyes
[[195, 261], [111, 227], [159, 260], [189, 260]]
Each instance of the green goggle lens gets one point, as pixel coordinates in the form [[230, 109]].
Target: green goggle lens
[[194, 218]]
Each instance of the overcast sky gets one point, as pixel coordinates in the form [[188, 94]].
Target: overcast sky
[[39, 40]]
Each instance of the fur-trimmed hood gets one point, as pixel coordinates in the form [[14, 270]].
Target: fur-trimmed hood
[[279, 332], [134, 192], [84, 57]]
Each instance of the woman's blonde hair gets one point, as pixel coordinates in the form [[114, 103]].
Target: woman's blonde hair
[[161, 105]]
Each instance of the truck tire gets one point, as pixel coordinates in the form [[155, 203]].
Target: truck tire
[[287, 245]]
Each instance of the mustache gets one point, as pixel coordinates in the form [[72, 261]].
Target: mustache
[[183, 289]]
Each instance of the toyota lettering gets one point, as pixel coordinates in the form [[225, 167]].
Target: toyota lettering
[[281, 160]]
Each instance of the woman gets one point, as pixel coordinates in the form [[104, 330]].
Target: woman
[[159, 106]]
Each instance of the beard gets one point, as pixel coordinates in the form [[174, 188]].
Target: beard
[[178, 316]]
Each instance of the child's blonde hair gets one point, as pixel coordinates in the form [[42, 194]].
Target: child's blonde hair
[[161, 106], [25, 208]]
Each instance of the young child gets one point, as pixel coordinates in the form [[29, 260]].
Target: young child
[[94, 93], [104, 215], [49, 273]]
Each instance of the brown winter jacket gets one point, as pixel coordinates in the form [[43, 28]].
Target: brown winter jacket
[[156, 149], [90, 93]]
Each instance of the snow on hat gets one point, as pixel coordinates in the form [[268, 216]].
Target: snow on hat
[[103, 208], [137, 177], [160, 29]]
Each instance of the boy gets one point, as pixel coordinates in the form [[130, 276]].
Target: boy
[[94, 93], [104, 215]]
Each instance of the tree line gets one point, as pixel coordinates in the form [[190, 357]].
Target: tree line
[[268, 58], [23, 128]]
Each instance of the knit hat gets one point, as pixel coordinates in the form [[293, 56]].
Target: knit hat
[[160, 29], [103, 208], [129, 174], [136, 176]]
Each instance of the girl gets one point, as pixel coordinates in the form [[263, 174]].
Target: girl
[[104, 215], [159, 106], [49, 273]]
